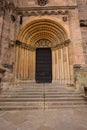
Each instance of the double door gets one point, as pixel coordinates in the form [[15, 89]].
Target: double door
[[43, 65]]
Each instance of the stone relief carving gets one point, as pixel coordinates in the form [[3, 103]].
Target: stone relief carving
[[9, 7], [43, 43], [42, 2], [42, 12]]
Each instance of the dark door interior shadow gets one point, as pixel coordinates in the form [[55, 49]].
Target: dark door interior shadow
[[43, 65]]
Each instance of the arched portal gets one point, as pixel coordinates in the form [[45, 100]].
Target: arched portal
[[44, 33]]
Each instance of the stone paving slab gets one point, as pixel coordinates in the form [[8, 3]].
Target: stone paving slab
[[61, 119]]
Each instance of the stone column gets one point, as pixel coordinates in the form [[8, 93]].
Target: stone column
[[34, 65], [60, 72], [1, 30], [53, 65], [71, 63], [25, 63], [30, 72], [58, 65], [62, 65], [16, 62], [68, 64], [28, 64], [56, 68], [64, 62], [19, 60]]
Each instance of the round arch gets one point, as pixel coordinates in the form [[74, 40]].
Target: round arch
[[44, 33], [49, 28]]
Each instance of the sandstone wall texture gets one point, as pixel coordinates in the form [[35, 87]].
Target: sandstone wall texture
[[65, 10], [82, 9], [28, 3]]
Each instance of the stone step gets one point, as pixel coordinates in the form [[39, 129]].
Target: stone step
[[46, 87], [14, 103], [53, 95], [54, 102], [32, 107], [41, 84], [39, 87], [28, 104], [36, 91], [39, 95], [39, 99], [43, 90]]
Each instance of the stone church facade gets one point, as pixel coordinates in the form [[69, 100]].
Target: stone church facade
[[43, 40]]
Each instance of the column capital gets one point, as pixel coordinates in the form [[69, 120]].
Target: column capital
[[67, 42]]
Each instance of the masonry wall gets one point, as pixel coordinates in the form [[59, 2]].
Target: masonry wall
[[82, 9], [30, 3], [9, 28]]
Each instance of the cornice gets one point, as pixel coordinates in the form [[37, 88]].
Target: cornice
[[38, 10], [45, 8]]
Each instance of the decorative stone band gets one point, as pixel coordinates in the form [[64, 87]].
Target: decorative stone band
[[24, 45], [42, 12], [65, 43], [5, 5], [43, 44]]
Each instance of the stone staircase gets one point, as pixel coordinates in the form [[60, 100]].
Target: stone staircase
[[29, 96]]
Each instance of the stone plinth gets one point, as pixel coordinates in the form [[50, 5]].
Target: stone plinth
[[80, 77]]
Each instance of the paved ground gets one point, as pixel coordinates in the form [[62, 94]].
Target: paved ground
[[61, 119]]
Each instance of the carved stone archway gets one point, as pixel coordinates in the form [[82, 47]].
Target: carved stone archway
[[28, 39]]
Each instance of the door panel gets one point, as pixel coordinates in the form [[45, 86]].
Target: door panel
[[43, 65]]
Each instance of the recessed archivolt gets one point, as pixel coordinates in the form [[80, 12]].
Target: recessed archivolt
[[43, 29], [28, 38], [43, 26], [37, 26], [44, 35]]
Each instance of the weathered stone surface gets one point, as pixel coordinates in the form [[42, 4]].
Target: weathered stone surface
[[61, 119], [16, 15], [80, 78], [82, 8]]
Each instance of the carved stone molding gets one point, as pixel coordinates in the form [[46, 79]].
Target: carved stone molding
[[42, 44], [65, 43], [24, 45], [42, 12]]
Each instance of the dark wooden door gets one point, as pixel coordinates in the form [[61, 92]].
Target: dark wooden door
[[43, 65]]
